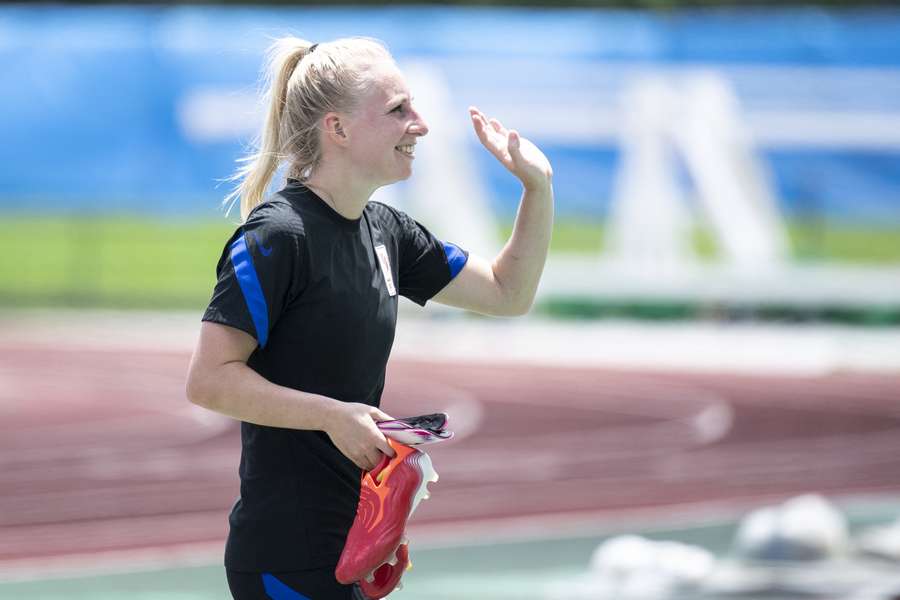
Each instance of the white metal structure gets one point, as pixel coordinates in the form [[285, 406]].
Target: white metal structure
[[694, 128]]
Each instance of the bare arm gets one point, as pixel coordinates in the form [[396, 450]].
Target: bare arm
[[507, 285], [220, 380]]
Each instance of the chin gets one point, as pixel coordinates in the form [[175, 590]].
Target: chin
[[402, 176]]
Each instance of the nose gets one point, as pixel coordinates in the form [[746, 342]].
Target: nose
[[418, 127]]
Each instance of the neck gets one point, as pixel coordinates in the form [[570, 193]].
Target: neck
[[343, 192]]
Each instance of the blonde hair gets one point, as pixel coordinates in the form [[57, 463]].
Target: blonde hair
[[303, 82]]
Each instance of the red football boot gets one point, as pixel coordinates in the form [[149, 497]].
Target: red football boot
[[388, 496], [386, 577]]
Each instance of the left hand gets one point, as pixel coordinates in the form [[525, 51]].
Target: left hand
[[522, 158]]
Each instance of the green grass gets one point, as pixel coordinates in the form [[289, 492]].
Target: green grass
[[131, 262], [816, 241], [123, 262], [809, 241]]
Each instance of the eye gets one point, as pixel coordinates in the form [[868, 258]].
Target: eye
[[398, 108]]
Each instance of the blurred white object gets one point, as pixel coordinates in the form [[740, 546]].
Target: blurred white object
[[631, 556], [887, 589], [806, 528], [648, 223], [734, 188], [687, 144], [698, 121], [630, 567], [881, 542], [799, 548], [209, 115]]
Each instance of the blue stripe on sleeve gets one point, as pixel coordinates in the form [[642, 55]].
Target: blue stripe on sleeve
[[455, 257], [253, 294], [277, 590]]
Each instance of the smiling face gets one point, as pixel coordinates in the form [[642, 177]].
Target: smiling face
[[384, 128]]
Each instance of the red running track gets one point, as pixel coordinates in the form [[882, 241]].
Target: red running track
[[101, 452]]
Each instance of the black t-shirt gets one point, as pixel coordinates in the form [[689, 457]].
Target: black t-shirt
[[319, 293]]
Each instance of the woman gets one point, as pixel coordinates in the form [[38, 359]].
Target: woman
[[297, 335]]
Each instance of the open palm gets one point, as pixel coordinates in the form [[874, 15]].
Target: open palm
[[522, 158]]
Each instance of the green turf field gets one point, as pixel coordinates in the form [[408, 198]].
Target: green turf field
[[120, 262], [130, 262]]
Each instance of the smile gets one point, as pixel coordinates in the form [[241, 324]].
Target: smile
[[406, 149]]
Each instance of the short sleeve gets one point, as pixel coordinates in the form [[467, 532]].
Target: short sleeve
[[427, 264], [258, 274]]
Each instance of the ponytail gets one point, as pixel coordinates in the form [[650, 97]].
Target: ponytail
[[258, 169]]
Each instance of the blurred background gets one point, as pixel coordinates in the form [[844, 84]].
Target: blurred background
[[718, 327]]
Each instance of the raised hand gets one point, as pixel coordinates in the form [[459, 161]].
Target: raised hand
[[522, 158]]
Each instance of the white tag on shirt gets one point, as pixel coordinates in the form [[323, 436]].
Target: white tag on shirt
[[385, 263]]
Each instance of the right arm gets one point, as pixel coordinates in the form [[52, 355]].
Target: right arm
[[220, 380]]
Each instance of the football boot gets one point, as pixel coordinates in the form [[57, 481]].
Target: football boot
[[386, 578], [412, 431], [388, 496]]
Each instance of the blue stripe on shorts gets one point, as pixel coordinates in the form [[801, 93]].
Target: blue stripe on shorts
[[277, 590]]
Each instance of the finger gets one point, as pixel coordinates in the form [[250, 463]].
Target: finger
[[363, 463], [380, 415], [482, 120], [481, 126], [498, 127], [385, 448], [514, 143], [492, 140], [374, 460], [368, 459], [478, 124]]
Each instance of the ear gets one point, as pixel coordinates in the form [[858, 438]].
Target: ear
[[334, 129]]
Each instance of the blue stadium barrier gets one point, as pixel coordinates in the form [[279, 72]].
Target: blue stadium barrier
[[93, 100]]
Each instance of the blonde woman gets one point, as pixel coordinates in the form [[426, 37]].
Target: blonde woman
[[297, 335]]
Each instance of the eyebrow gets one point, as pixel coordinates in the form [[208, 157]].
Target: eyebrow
[[400, 99]]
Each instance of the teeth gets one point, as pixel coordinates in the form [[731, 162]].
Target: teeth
[[407, 149], [370, 577]]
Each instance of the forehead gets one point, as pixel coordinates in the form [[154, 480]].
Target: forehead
[[388, 83]]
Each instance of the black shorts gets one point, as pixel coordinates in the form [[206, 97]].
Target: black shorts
[[314, 584]]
